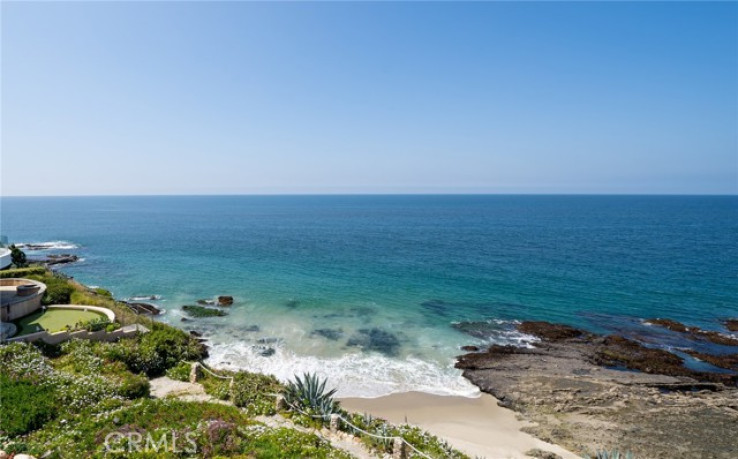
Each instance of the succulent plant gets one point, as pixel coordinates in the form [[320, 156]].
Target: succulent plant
[[308, 394]]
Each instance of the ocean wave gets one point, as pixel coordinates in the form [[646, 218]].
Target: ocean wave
[[50, 245], [354, 374], [496, 331], [145, 298]]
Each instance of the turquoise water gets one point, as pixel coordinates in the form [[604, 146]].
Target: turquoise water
[[366, 289]]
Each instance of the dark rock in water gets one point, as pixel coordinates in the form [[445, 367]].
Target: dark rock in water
[[495, 353], [483, 330], [144, 308], [616, 351], [552, 332], [225, 300], [375, 339], [695, 333], [732, 325], [726, 361], [267, 340], [59, 259], [196, 334], [266, 351], [714, 337], [252, 328], [669, 324], [333, 334], [185, 319], [201, 311], [206, 302], [292, 304], [470, 348]]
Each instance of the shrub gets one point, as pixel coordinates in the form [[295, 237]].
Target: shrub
[[180, 372], [134, 386], [18, 257], [216, 387], [255, 391], [103, 292], [111, 327], [58, 290], [155, 352], [96, 324], [25, 406]]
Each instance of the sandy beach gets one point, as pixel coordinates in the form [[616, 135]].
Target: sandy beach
[[476, 426]]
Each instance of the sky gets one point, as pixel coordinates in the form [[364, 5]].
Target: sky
[[238, 98]]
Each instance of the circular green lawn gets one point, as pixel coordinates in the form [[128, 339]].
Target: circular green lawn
[[54, 320]]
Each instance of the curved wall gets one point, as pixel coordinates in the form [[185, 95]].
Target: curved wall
[[13, 306], [5, 258]]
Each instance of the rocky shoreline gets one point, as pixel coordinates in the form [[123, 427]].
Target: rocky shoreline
[[589, 392]]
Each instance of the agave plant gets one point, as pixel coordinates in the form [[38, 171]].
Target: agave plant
[[308, 394], [614, 454]]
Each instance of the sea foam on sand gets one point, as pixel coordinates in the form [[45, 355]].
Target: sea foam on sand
[[354, 374]]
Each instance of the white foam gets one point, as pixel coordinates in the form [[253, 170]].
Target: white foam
[[50, 245], [353, 374], [145, 298]]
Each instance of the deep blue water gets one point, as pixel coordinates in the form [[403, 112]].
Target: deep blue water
[[407, 265]]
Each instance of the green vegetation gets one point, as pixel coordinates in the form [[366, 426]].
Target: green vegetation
[[68, 401], [180, 372], [201, 311], [18, 257], [54, 320], [58, 289], [308, 395], [103, 292], [253, 391], [22, 272], [25, 406], [155, 352]]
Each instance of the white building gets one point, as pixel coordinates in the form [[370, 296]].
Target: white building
[[5, 258]]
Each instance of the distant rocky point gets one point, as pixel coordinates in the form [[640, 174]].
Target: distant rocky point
[[571, 383]]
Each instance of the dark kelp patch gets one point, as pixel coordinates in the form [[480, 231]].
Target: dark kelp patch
[[375, 339]]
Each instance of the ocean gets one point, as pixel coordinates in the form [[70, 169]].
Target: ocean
[[378, 293]]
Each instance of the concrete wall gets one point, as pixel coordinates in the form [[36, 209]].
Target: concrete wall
[[15, 306], [60, 337]]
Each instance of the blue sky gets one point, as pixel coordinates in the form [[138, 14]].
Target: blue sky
[[220, 98]]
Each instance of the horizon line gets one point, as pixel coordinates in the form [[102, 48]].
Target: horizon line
[[2, 196]]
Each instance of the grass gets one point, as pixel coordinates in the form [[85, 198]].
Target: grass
[[54, 320], [22, 272]]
